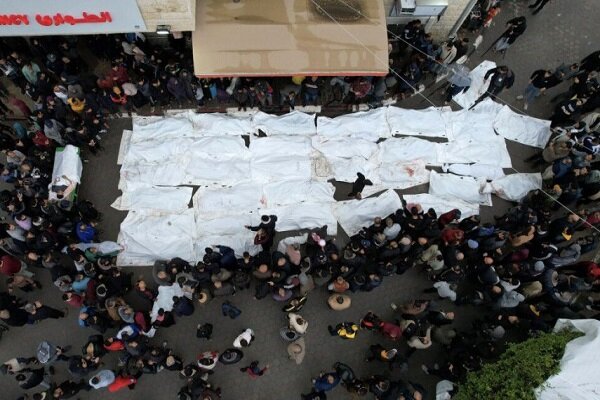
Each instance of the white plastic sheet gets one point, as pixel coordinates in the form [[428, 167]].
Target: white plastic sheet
[[475, 125], [297, 192], [159, 198], [478, 85], [216, 124], [227, 225], [403, 149], [398, 175], [217, 148], [369, 125], [167, 173], [484, 171], [293, 123], [240, 243], [304, 216], [162, 129], [215, 172], [150, 236], [522, 128], [124, 146], [493, 151], [67, 163], [465, 188], [164, 299], [345, 169], [344, 147], [429, 122], [353, 215], [514, 187], [578, 376], [442, 205], [281, 146], [286, 173], [216, 201]]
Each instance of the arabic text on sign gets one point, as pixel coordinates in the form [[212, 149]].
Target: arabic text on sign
[[56, 19], [14, 19]]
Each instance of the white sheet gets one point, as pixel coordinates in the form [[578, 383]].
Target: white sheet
[[150, 236], [344, 147], [514, 187], [215, 201], [478, 85], [398, 175], [67, 163], [465, 188], [345, 169], [157, 198], [353, 215], [164, 299], [216, 172], [369, 125], [217, 148], [217, 124], [493, 151], [442, 205], [293, 123], [286, 173], [240, 243], [578, 376], [484, 171], [429, 122], [124, 146], [304, 216], [296, 192], [281, 145], [475, 125], [404, 149], [522, 128], [163, 129], [227, 225]]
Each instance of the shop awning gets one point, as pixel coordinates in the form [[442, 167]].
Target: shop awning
[[290, 37]]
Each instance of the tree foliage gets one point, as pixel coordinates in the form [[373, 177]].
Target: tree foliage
[[520, 370]]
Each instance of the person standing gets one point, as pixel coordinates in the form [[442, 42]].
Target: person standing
[[515, 28], [254, 370], [500, 78], [102, 379], [459, 81], [358, 186], [539, 81], [244, 339]]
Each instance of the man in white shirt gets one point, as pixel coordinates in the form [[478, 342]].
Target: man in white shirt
[[244, 339], [391, 229], [102, 379]]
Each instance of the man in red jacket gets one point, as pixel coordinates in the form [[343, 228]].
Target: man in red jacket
[[9, 265], [121, 382]]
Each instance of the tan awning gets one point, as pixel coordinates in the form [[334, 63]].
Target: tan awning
[[289, 37]]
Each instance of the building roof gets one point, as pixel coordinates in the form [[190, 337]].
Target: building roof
[[290, 37]]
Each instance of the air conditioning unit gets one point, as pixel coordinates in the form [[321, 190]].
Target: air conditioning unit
[[407, 6]]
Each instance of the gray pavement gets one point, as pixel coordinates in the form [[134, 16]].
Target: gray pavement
[[565, 31]]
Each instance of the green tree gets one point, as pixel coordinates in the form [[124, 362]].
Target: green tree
[[520, 370]]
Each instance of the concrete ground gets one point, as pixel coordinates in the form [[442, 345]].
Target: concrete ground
[[564, 31]]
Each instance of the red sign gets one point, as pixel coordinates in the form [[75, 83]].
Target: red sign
[[57, 19]]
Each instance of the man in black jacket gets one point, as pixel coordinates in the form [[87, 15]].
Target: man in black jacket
[[500, 77], [539, 81]]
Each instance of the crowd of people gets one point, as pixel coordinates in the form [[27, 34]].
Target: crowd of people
[[522, 272], [72, 96]]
